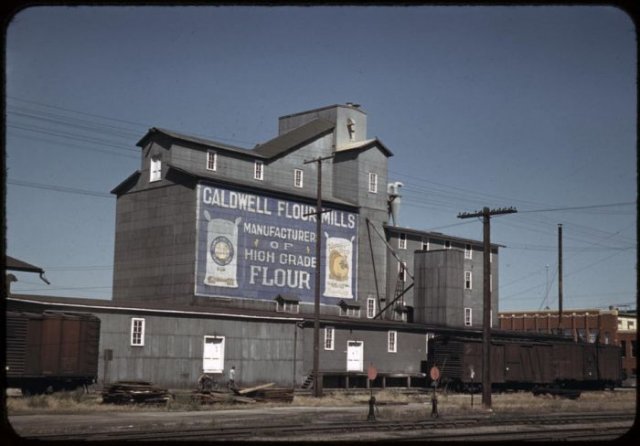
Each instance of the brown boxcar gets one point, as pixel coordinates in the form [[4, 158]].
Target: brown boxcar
[[51, 350], [525, 361]]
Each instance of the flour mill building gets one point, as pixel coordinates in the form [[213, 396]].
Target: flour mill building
[[215, 262]]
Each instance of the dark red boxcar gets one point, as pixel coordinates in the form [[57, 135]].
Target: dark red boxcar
[[51, 350]]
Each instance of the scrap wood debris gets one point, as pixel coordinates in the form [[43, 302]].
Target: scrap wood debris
[[261, 393], [132, 392]]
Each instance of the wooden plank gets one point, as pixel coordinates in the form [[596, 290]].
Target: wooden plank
[[253, 389]]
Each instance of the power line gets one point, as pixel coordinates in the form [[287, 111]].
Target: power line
[[574, 208], [70, 190]]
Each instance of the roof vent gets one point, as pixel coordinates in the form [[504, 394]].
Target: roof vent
[[351, 104]]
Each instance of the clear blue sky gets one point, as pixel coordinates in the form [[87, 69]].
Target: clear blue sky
[[532, 107]]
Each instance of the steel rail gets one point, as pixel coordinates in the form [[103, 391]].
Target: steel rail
[[238, 432]]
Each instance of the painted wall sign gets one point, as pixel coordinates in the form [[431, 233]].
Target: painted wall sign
[[256, 246]]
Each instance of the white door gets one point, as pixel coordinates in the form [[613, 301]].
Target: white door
[[355, 356], [213, 356]]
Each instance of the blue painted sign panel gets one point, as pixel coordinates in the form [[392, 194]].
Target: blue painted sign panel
[[256, 246]]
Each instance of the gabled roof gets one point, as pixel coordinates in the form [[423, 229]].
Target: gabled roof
[[361, 145], [270, 149], [294, 138], [194, 139]]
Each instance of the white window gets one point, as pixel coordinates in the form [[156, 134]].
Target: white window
[[137, 332], [392, 341], [402, 271], [467, 251], [371, 307], [329, 333], [490, 282], [350, 311], [258, 170], [490, 257], [212, 160], [425, 245], [447, 244], [286, 306], [373, 182], [155, 169], [630, 325], [298, 177], [402, 241], [467, 317], [467, 280], [213, 354]]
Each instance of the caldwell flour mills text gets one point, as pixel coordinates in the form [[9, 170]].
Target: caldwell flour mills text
[[255, 246]]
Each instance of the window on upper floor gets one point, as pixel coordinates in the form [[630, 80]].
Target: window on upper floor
[[392, 341], [468, 276], [298, 177], [634, 349], [447, 244], [402, 241], [468, 321], [286, 306], [212, 160], [630, 325], [468, 252], [155, 169], [371, 307], [351, 128], [329, 335], [137, 332], [425, 245], [402, 271], [258, 170], [373, 182], [348, 311], [623, 348]]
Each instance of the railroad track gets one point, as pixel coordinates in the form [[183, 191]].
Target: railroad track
[[483, 427]]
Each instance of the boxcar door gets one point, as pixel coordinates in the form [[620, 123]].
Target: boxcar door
[[213, 356], [355, 356], [590, 363]]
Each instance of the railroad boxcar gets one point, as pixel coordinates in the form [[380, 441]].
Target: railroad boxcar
[[525, 362], [51, 351]]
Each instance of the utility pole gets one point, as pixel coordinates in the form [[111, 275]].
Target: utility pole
[[316, 317], [486, 214], [559, 279]]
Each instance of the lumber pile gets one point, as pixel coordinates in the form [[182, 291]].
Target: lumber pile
[[261, 393], [135, 392], [273, 395]]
